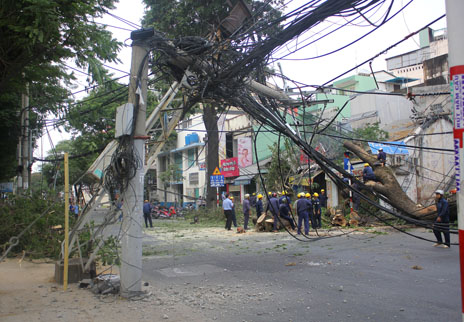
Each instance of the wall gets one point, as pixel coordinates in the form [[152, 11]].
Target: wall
[[388, 110]]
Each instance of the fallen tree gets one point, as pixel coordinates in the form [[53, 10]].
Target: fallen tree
[[388, 186]]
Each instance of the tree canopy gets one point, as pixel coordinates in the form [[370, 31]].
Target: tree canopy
[[39, 38]]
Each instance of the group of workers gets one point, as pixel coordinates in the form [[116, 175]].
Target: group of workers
[[307, 208]]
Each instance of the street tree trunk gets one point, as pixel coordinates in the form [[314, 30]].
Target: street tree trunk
[[212, 156], [389, 187]]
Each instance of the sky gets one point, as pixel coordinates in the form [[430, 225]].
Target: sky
[[315, 71]]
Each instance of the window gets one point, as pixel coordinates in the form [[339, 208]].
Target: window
[[193, 178], [192, 157]]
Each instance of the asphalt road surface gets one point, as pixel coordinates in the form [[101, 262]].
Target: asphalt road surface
[[226, 276]]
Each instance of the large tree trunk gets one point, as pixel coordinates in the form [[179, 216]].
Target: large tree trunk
[[212, 156], [389, 187]]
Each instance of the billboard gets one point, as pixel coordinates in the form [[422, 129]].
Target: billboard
[[230, 167], [245, 157]]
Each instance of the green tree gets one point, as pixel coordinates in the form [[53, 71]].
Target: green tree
[[202, 18], [284, 164], [39, 37]]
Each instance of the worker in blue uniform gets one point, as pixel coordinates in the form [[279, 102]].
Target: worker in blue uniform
[[303, 208], [234, 216], [323, 199], [284, 210], [317, 210], [368, 173], [382, 157], [273, 207], [312, 219], [441, 224], [259, 206]]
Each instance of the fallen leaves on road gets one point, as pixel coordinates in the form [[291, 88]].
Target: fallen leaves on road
[[417, 267], [291, 264]]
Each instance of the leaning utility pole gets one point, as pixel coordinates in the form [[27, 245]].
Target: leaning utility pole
[[131, 257], [454, 10]]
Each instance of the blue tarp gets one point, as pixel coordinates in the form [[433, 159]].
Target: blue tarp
[[395, 147]]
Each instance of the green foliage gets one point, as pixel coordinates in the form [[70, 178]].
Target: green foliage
[[39, 37], [284, 164], [172, 174], [370, 132], [41, 240]]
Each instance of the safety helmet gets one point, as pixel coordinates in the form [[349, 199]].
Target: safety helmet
[[231, 197], [274, 194], [322, 190], [269, 193], [260, 196], [254, 193], [439, 191], [366, 164], [308, 195], [381, 149], [284, 193], [300, 195], [316, 194]]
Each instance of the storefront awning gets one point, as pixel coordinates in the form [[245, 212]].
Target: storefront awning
[[245, 179]]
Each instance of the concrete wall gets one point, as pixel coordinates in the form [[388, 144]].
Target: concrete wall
[[388, 110]]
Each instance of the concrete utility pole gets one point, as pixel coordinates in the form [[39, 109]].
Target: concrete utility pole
[[454, 11], [131, 257], [23, 144]]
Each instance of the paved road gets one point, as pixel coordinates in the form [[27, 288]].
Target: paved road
[[224, 276]]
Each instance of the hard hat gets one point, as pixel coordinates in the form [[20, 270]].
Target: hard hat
[[300, 195], [366, 164], [254, 193], [260, 196], [269, 193], [308, 195], [146, 200], [231, 197], [316, 194], [274, 194], [247, 195], [439, 192], [283, 193], [322, 190], [381, 149]]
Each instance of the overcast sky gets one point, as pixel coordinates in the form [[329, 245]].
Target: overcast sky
[[315, 71]]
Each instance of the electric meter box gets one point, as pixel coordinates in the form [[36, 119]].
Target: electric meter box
[[124, 120]]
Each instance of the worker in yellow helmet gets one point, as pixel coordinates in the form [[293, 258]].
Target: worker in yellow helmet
[[317, 210], [323, 199], [368, 173], [259, 206], [303, 210]]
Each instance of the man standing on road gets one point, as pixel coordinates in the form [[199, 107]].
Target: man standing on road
[[442, 221], [227, 206], [317, 210], [234, 216], [246, 211], [303, 206], [147, 213], [323, 199], [273, 206], [259, 206]]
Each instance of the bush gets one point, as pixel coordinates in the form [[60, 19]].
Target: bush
[[40, 240]]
